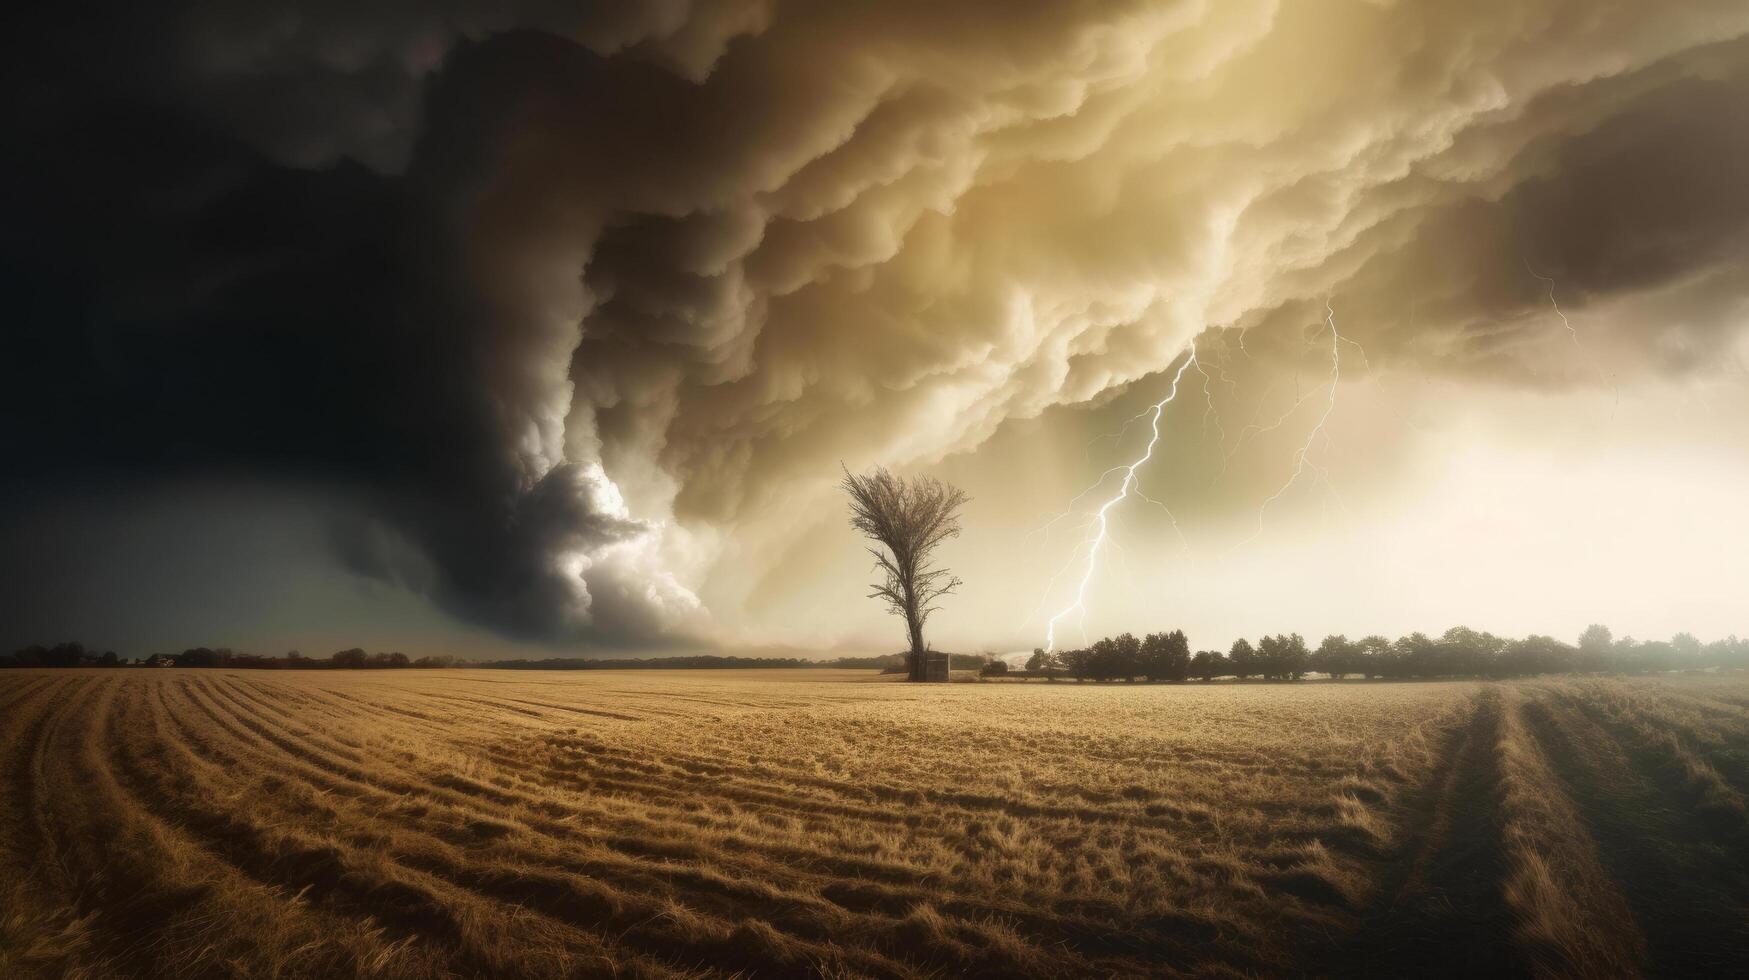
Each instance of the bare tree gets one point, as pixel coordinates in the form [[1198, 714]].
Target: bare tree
[[910, 518]]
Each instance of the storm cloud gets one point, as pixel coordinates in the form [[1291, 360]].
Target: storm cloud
[[580, 308]]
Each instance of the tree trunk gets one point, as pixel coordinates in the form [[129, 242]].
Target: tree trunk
[[919, 670]]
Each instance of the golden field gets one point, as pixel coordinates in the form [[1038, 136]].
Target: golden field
[[659, 823]]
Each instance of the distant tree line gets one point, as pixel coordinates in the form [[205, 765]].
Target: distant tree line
[[75, 655], [60, 655], [1458, 652], [692, 662]]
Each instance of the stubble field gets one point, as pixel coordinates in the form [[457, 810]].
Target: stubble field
[[414, 823]]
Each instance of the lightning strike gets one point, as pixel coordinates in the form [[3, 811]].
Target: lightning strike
[[1550, 280], [1574, 334], [1101, 519], [1209, 412], [1302, 457], [1252, 430], [1220, 366]]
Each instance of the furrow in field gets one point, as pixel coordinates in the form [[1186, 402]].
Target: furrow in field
[[185, 910], [73, 800], [584, 811], [639, 919], [42, 933], [1440, 907], [55, 863], [48, 840], [327, 744], [474, 877], [275, 749], [628, 863], [1723, 711], [1734, 701], [1574, 916], [21, 691], [116, 869], [18, 726], [496, 705], [704, 889], [471, 824], [249, 702], [461, 795], [810, 856], [774, 795], [737, 839], [590, 764], [422, 910], [357, 703], [678, 785], [60, 870], [576, 710], [1685, 749], [333, 709], [462, 720], [248, 748], [356, 736], [1682, 870]]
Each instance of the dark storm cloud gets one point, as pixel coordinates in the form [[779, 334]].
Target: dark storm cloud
[[1637, 220], [185, 302], [614, 281], [312, 82]]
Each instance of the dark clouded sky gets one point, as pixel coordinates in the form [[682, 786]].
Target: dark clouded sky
[[501, 327]]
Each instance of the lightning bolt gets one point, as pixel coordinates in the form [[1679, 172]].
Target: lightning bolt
[[1302, 457], [1208, 397], [1550, 280], [1253, 429], [1101, 519], [1100, 541], [1574, 333]]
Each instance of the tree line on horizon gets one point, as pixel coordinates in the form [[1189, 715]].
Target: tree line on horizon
[[1458, 652], [73, 654], [706, 661]]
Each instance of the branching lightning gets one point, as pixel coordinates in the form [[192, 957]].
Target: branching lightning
[[1208, 397], [1095, 545], [1303, 456], [1101, 520], [1090, 550], [1253, 429]]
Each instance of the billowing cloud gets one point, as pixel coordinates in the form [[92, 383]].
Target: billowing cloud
[[622, 285]]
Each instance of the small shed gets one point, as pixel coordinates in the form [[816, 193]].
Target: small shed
[[935, 667]]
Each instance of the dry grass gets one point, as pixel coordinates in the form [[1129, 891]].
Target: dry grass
[[815, 822]]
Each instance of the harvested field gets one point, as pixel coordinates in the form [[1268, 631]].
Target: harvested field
[[418, 823]]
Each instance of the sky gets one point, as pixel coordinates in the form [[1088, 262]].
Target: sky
[[530, 329]]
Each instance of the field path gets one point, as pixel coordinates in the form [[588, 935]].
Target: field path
[[1443, 907]]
